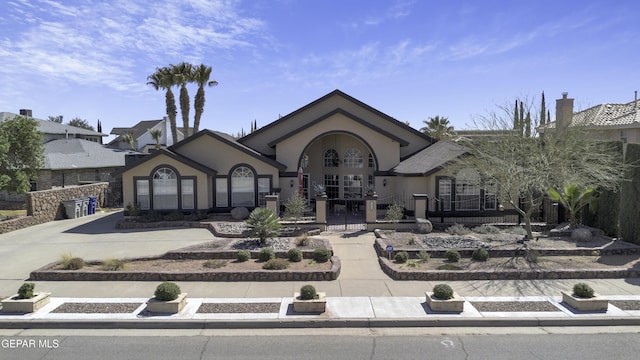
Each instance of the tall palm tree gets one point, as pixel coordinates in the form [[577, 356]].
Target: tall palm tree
[[201, 75], [438, 127], [183, 75], [163, 79]]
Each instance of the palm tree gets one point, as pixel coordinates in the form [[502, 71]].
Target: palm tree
[[128, 138], [263, 224], [156, 134], [163, 79], [438, 128], [201, 74], [183, 75]]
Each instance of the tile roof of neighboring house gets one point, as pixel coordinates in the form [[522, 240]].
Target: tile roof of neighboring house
[[52, 127], [137, 130], [430, 159], [79, 154], [606, 115]]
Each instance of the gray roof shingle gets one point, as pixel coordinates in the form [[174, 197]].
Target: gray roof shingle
[[79, 154], [52, 127]]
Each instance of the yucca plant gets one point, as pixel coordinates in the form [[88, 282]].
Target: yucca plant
[[263, 224]]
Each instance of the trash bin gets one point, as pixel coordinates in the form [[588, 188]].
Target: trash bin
[[85, 206], [93, 201], [73, 208]]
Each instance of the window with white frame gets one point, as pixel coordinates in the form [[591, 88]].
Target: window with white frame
[[444, 194], [332, 186], [188, 193], [331, 158], [242, 187], [352, 186], [142, 194], [353, 159], [222, 194], [264, 187], [165, 189], [467, 190]]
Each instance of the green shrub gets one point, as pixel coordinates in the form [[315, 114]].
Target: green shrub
[[276, 264], [167, 291], [395, 212], [243, 255], [26, 291], [452, 255], [486, 229], [75, 263], [424, 256], [583, 290], [443, 292], [266, 254], [413, 263], [401, 257], [411, 241], [215, 263], [321, 254], [196, 216], [457, 229], [308, 292], [294, 255], [480, 255], [263, 224], [112, 265], [174, 216]]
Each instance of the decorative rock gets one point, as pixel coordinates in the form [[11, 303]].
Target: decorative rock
[[424, 226], [239, 213], [581, 235]]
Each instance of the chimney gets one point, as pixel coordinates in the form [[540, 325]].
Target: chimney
[[564, 112], [26, 112]]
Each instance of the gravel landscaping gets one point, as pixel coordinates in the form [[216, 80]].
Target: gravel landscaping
[[229, 308], [97, 308], [514, 306], [626, 304]]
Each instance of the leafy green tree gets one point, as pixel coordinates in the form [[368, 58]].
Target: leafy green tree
[[438, 128], [294, 207], [201, 75], [163, 79], [263, 224], [21, 153], [182, 75], [80, 123], [574, 198]]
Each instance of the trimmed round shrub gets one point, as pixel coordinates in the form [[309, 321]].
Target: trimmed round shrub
[[167, 291], [294, 255], [75, 263], [276, 264], [113, 265], [266, 254], [583, 290], [243, 255], [26, 291], [308, 292], [321, 254], [443, 291], [401, 257], [452, 255], [480, 255]]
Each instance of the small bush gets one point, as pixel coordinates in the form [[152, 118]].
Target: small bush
[[174, 216], [26, 291], [443, 292], [401, 257], [215, 263], [303, 239], [424, 256], [243, 255], [457, 229], [294, 255], [583, 290], [308, 292], [395, 212], [321, 254], [452, 255], [75, 263], [276, 264], [266, 254], [411, 241], [480, 255], [167, 291], [151, 216], [486, 229], [112, 265]]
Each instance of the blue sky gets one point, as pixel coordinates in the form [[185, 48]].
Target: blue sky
[[409, 59]]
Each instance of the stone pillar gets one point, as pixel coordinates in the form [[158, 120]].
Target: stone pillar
[[321, 209], [371, 204], [420, 201], [272, 204]]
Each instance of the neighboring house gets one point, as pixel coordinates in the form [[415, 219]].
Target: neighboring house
[[141, 132], [337, 141], [52, 130]]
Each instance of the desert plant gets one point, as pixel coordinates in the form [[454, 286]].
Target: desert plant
[[243, 255], [457, 229], [26, 291], [411, 241], [303, 239], [321, 254], [266, 254], [424, 256], [308, 292], [215, 263], [167, 291], [401, 257], [263, 224], [452, 255], [395, 212], [113, 265], [480, 255], [574, 198], [443, 292], [72, 263], [294, 208], [583, 290], [276, 264], [486, 229], [294, 255], [413, 263], [320, 189]]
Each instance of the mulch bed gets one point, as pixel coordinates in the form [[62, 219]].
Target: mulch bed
[[97, 308], [626, 304], [228, 308], [514, 306]]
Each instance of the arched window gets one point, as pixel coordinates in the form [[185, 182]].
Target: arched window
[[331, 158], [353, 159], [243, 187], [165, 189]]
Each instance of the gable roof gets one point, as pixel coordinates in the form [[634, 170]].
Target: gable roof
[[137, 130], [430, 159], [52, 127], [175, 156], [231, 141], [80, 154]]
